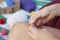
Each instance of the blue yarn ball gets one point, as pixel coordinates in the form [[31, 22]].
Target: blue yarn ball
[[28, 5], [9, 2]]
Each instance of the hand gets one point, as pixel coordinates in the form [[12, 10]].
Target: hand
[[45, 14], [40, 34]]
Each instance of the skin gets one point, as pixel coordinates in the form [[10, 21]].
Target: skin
[[19, 32], [24, 31], [46, 14]]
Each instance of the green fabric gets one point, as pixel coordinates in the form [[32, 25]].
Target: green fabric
[[1, 16], [7, 31], [0, 28], [41, 3], [1, 38]]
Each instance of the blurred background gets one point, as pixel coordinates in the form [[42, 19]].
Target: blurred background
[[7, 8]]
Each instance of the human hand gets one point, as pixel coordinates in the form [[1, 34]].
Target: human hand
[[40, 34], [45, 14]]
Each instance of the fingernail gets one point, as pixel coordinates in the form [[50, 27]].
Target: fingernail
[[31, 22]]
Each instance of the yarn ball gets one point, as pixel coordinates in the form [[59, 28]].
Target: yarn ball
[[28, 5], [19, 16], [9, 2]]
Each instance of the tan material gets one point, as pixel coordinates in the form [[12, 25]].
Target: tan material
[[16, 7], [17, 1], [19, 31], [2, 10], [10, 9], [1, 1]]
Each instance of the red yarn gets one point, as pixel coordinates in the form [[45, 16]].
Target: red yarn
[[3, 32], [2, 20]]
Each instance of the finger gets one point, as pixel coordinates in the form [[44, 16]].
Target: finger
[[51, 16], [45, 11], [44, 20], [38, 23], [32, 35], [34, 16], [33, 30], [41, 13]]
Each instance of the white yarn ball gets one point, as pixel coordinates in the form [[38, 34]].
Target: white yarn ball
[[19, 16]]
